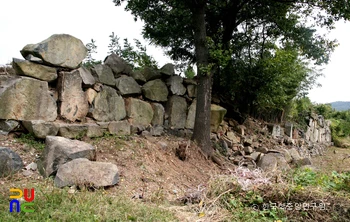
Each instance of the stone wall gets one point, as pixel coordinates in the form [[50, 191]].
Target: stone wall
[[51, 94]]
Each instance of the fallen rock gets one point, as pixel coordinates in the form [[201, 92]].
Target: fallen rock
[[303, 162], [268, 163], [294, 154], [31, 69], [41, 129], [26, 99], [7, 126], [127, 86], [156, 130], [139, 112], [59, 150], [155, 90], [10, 162], [108, 106], [58, 50], [73, 101], [82, 172]]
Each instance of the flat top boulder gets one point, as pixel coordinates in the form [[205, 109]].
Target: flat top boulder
[[58, 50]]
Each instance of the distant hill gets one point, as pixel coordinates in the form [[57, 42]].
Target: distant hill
[[340, 105]]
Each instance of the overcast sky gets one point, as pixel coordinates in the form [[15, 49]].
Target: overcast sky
[[31, 21]]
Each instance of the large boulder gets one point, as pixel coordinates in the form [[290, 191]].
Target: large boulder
[[176, 86], [31, 69], [108, 106], [217, 115], [7, 126], [117, 64], [60, 150], [58, 50], [155, 90], [82, 172], [150, 73], [268, 163], [158, 116], [103, 74], [127, 86], [176, 110], [139, 112], [10, 162], [167, 69], [26, 99], [73, 101], [137, 75], [41, 129]]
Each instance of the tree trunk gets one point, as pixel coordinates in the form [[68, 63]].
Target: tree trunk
[[201, 132]]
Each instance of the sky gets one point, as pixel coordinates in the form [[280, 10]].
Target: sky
[[25, 22]]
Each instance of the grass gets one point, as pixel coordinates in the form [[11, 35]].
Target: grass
[[53, 204], [31, 141]]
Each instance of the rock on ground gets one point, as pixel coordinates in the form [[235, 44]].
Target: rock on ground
[[10, 162]]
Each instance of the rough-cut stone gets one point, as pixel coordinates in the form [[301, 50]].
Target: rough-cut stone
[[10, 162], [6, 126], [139, 112], [86, 76], [167, 69], [137, 75], [117, 64], [82, 172], [176, 109], [120, 128], [262, 149], [294, 154], [192, 91], [268, 163], [34, 70], [286, 155], [191, 115], [94, 130], [59, 150], [41, 129], [248, 150], [156, 130], [72, 130], [103, 74], [281, 161], [232, 136], [90, 95], [155, 90], [26, 99], [73, 102], [58, 50], [217, 115], [108, 106], [127, 86], [304, 162], [158, 114], [150, 73], [176, 86]]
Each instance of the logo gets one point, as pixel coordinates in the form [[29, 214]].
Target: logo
[[16, 204]]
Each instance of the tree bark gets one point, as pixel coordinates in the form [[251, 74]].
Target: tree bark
[[201, 132]]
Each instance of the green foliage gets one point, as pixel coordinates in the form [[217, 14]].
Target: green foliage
[[91, 49], [336, 181], [136, 57], [31, 141], [189, 72]]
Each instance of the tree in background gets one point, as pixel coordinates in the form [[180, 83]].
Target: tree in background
[[216, 34]]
